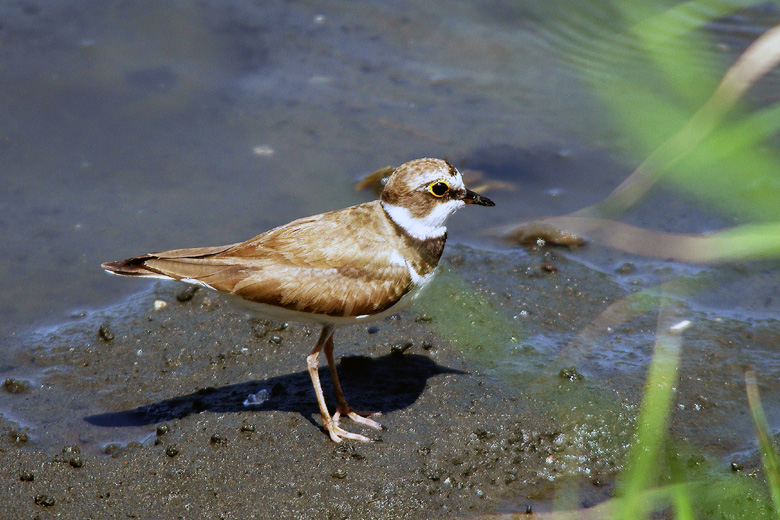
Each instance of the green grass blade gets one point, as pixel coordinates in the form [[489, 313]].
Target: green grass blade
[[767, 447], [643, 465]]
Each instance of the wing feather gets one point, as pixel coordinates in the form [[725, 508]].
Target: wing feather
[[338, 264]]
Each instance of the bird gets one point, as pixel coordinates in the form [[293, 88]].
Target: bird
[[352, 265]]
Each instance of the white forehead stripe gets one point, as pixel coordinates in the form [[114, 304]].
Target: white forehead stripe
[[455, 182], [430, 226]]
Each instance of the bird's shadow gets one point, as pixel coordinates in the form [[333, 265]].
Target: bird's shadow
[[384, 384]]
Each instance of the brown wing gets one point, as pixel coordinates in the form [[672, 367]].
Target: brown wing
[[336, 263]]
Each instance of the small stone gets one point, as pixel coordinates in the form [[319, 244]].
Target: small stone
[[163, 429], [44, 500], [15, 386], [105, 333], [423, 318], [217, 439], [260, 328], [160, 305], [186, 294], [76, 462], [18, 437], [276, 340], [737, 466], [339, 473], [550, 268], [373, 329], [400, 348], [171, 451], [427, 345], [571, 374], [112, 449], [433, 472], [73, 449], [248, 428], [26, 477]]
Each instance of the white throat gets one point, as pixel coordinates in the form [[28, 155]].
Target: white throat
[[429, 226]]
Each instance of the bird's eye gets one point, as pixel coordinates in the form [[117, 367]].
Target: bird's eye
[[439, 189]]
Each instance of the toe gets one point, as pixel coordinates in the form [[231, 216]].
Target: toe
[[340, 432], [365, 420]]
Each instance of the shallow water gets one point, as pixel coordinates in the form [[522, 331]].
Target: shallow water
[[125, 134], [136, 127]]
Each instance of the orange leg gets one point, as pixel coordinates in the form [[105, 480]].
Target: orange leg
[[312, 361], [343, 407]]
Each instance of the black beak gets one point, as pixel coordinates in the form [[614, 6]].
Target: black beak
[[469, 197]]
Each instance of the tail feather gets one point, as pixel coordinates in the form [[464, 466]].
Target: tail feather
[[137, 266], [132, 267]]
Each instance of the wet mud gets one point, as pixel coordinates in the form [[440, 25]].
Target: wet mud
[[151, 402], [145, 404]]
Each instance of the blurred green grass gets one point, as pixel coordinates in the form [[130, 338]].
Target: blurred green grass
[[696, 136], [720, 153]]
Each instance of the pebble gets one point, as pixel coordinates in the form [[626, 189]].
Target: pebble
[[18, 437], [44, 500], [571, 374], [171, 451], [15, 386], [163, 429], [105, 333], [400, 348], [112, 448], [186, 294]]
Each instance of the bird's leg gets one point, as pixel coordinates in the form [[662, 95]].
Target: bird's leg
[[343, 407], [313, 363]]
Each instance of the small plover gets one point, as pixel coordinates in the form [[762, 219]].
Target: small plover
[[351, 265]]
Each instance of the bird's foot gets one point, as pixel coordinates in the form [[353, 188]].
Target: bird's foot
[[358, 417], [337, 434]]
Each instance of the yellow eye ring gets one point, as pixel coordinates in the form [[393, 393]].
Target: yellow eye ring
[[439, 189]]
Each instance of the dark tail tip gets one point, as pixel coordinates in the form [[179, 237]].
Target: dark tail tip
[[129, 267]]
